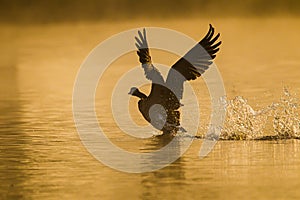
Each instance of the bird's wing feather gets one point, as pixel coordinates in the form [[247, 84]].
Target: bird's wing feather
[[193, 63], [151, 72]]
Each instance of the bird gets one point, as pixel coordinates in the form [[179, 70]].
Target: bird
[[161, 107]]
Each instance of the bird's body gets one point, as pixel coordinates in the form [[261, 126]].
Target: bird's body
[[160, 107], [164, 114]]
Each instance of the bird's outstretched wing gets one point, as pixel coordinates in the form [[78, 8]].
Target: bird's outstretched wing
[[151, 72], [193, 63]]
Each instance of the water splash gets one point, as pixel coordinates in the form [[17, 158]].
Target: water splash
[[286, 120], [244, 123]]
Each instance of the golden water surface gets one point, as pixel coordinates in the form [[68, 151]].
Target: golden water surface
[[41, 156]]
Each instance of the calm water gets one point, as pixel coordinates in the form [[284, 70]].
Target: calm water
[[41, 156]]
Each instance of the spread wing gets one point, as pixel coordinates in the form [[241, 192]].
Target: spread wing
[[193, 63], [151, 72]]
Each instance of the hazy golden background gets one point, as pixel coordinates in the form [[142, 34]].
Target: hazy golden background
[[33, 11]]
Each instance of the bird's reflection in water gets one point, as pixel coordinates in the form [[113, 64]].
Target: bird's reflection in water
[[153, 183], [159, 141]]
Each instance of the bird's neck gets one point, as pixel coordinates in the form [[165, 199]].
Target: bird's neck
[[139, 94]]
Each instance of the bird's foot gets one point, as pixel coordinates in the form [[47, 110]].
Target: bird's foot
[[181, 129]]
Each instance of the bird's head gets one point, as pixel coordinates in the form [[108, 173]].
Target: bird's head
[[133, 91]]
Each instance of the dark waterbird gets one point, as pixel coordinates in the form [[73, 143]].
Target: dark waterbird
[[160, 107]]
